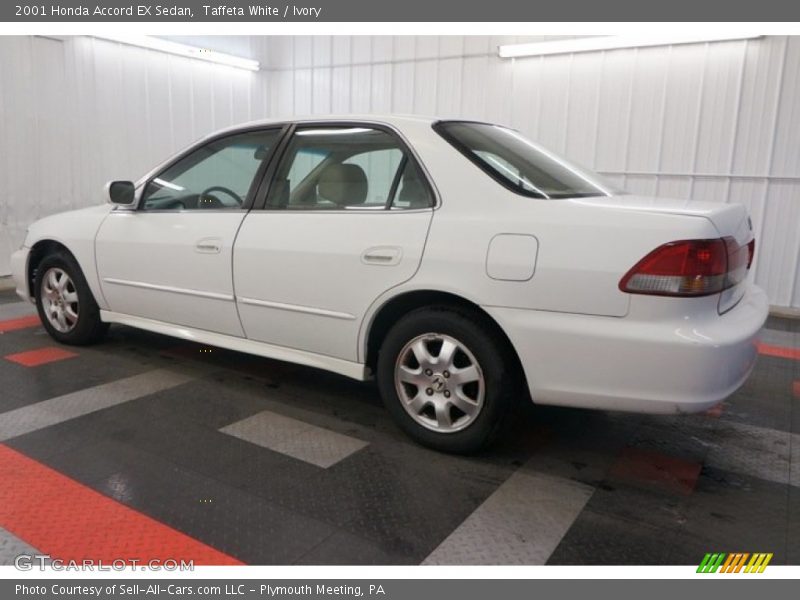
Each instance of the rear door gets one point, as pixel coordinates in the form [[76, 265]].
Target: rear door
[[345, 219]]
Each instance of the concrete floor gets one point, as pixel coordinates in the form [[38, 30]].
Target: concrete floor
[[146, 446]]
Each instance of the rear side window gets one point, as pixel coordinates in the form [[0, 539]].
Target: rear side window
[[347, 168], [520, 165]]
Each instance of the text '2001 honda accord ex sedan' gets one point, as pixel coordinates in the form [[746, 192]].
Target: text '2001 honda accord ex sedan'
[[460, 264]]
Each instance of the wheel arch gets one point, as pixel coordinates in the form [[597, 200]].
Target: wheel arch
[[397, 306], [38, 252]]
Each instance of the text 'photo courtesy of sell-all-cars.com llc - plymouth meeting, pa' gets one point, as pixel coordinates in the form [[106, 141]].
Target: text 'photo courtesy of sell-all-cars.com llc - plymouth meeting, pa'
[[460, 264]]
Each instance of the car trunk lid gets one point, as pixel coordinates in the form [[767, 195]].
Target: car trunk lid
[[730, 220]]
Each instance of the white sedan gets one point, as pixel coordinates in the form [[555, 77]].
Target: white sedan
[[460, 264]]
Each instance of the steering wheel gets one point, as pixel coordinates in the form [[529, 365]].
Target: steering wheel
[[218, 188]]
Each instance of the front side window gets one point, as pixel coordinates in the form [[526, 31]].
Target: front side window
[[218, 175], [520, 165], [346, 168]]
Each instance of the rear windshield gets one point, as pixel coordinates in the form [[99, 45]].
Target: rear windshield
[[520, 165]]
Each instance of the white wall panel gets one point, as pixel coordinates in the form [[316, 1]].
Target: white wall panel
[[763, 77], [341, 46], [474, 88], [425, 87], [303, 51], [682, 105], [615, 105], [777, 271], [321, 91], [427, 46], [786, 154], [583, 94], [340, 89], [360, 88], [499, 84], [671, 186], [708, 121], [647, 109], [322, 50], [382, 48], [554, 101], [381, 88], [361, 49], [719, 113], [403, 88], [403, 47], [303, 91], [448, 86]]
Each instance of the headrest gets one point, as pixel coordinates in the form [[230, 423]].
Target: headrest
[[343, 184]]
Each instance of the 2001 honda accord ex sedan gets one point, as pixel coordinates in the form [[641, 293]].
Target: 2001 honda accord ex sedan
[[459, 263]]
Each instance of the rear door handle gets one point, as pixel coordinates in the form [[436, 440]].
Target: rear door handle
[[209, 246], [382, 255]]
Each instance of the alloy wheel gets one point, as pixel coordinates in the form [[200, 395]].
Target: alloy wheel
[[60, 300], [439, 382]]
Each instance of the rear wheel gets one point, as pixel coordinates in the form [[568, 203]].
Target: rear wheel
[[447, 378], [65, 303]]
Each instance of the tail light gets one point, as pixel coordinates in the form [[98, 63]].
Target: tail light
[[690, 268], [751, 252]]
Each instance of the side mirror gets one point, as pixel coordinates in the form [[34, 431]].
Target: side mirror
[[121, 193]]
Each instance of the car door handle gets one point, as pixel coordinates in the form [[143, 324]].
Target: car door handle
[[382, 255], [209, 246]]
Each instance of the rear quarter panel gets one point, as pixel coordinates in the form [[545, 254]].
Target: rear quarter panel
[[583, 249]]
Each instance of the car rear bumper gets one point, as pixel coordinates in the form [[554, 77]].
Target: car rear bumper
[[19, 272], [680, 364]]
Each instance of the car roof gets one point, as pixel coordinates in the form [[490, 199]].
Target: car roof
[[387, 119]]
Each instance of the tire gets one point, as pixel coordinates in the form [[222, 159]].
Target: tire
[[423, 385], [65, 303]]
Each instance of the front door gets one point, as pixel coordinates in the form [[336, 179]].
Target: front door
[[170, 260]]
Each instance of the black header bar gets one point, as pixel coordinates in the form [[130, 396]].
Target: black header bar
[[331, 11]]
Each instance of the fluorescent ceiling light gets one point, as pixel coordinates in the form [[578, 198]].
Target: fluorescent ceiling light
[[611, 42], [169, 185], [154, 43], [347, 131]]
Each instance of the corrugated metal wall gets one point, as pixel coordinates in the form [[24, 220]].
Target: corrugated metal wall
[[715, 122]]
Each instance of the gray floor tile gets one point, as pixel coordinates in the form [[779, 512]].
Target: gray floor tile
[[521, 523], [56, 410], [295, 438], [11, 547], [775, 337], [15, 310], [756, 451]]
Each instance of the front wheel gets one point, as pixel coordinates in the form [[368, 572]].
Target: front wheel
[[65, 303], [447, 378]]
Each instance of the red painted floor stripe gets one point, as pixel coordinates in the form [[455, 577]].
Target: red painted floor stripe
[[779, 351], [654, 469], [42, 356], [69, 521], [20, 323]]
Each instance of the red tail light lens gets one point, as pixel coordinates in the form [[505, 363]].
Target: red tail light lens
[[689, 268]]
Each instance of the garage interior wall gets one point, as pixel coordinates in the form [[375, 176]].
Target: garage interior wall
[[716, 121]]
